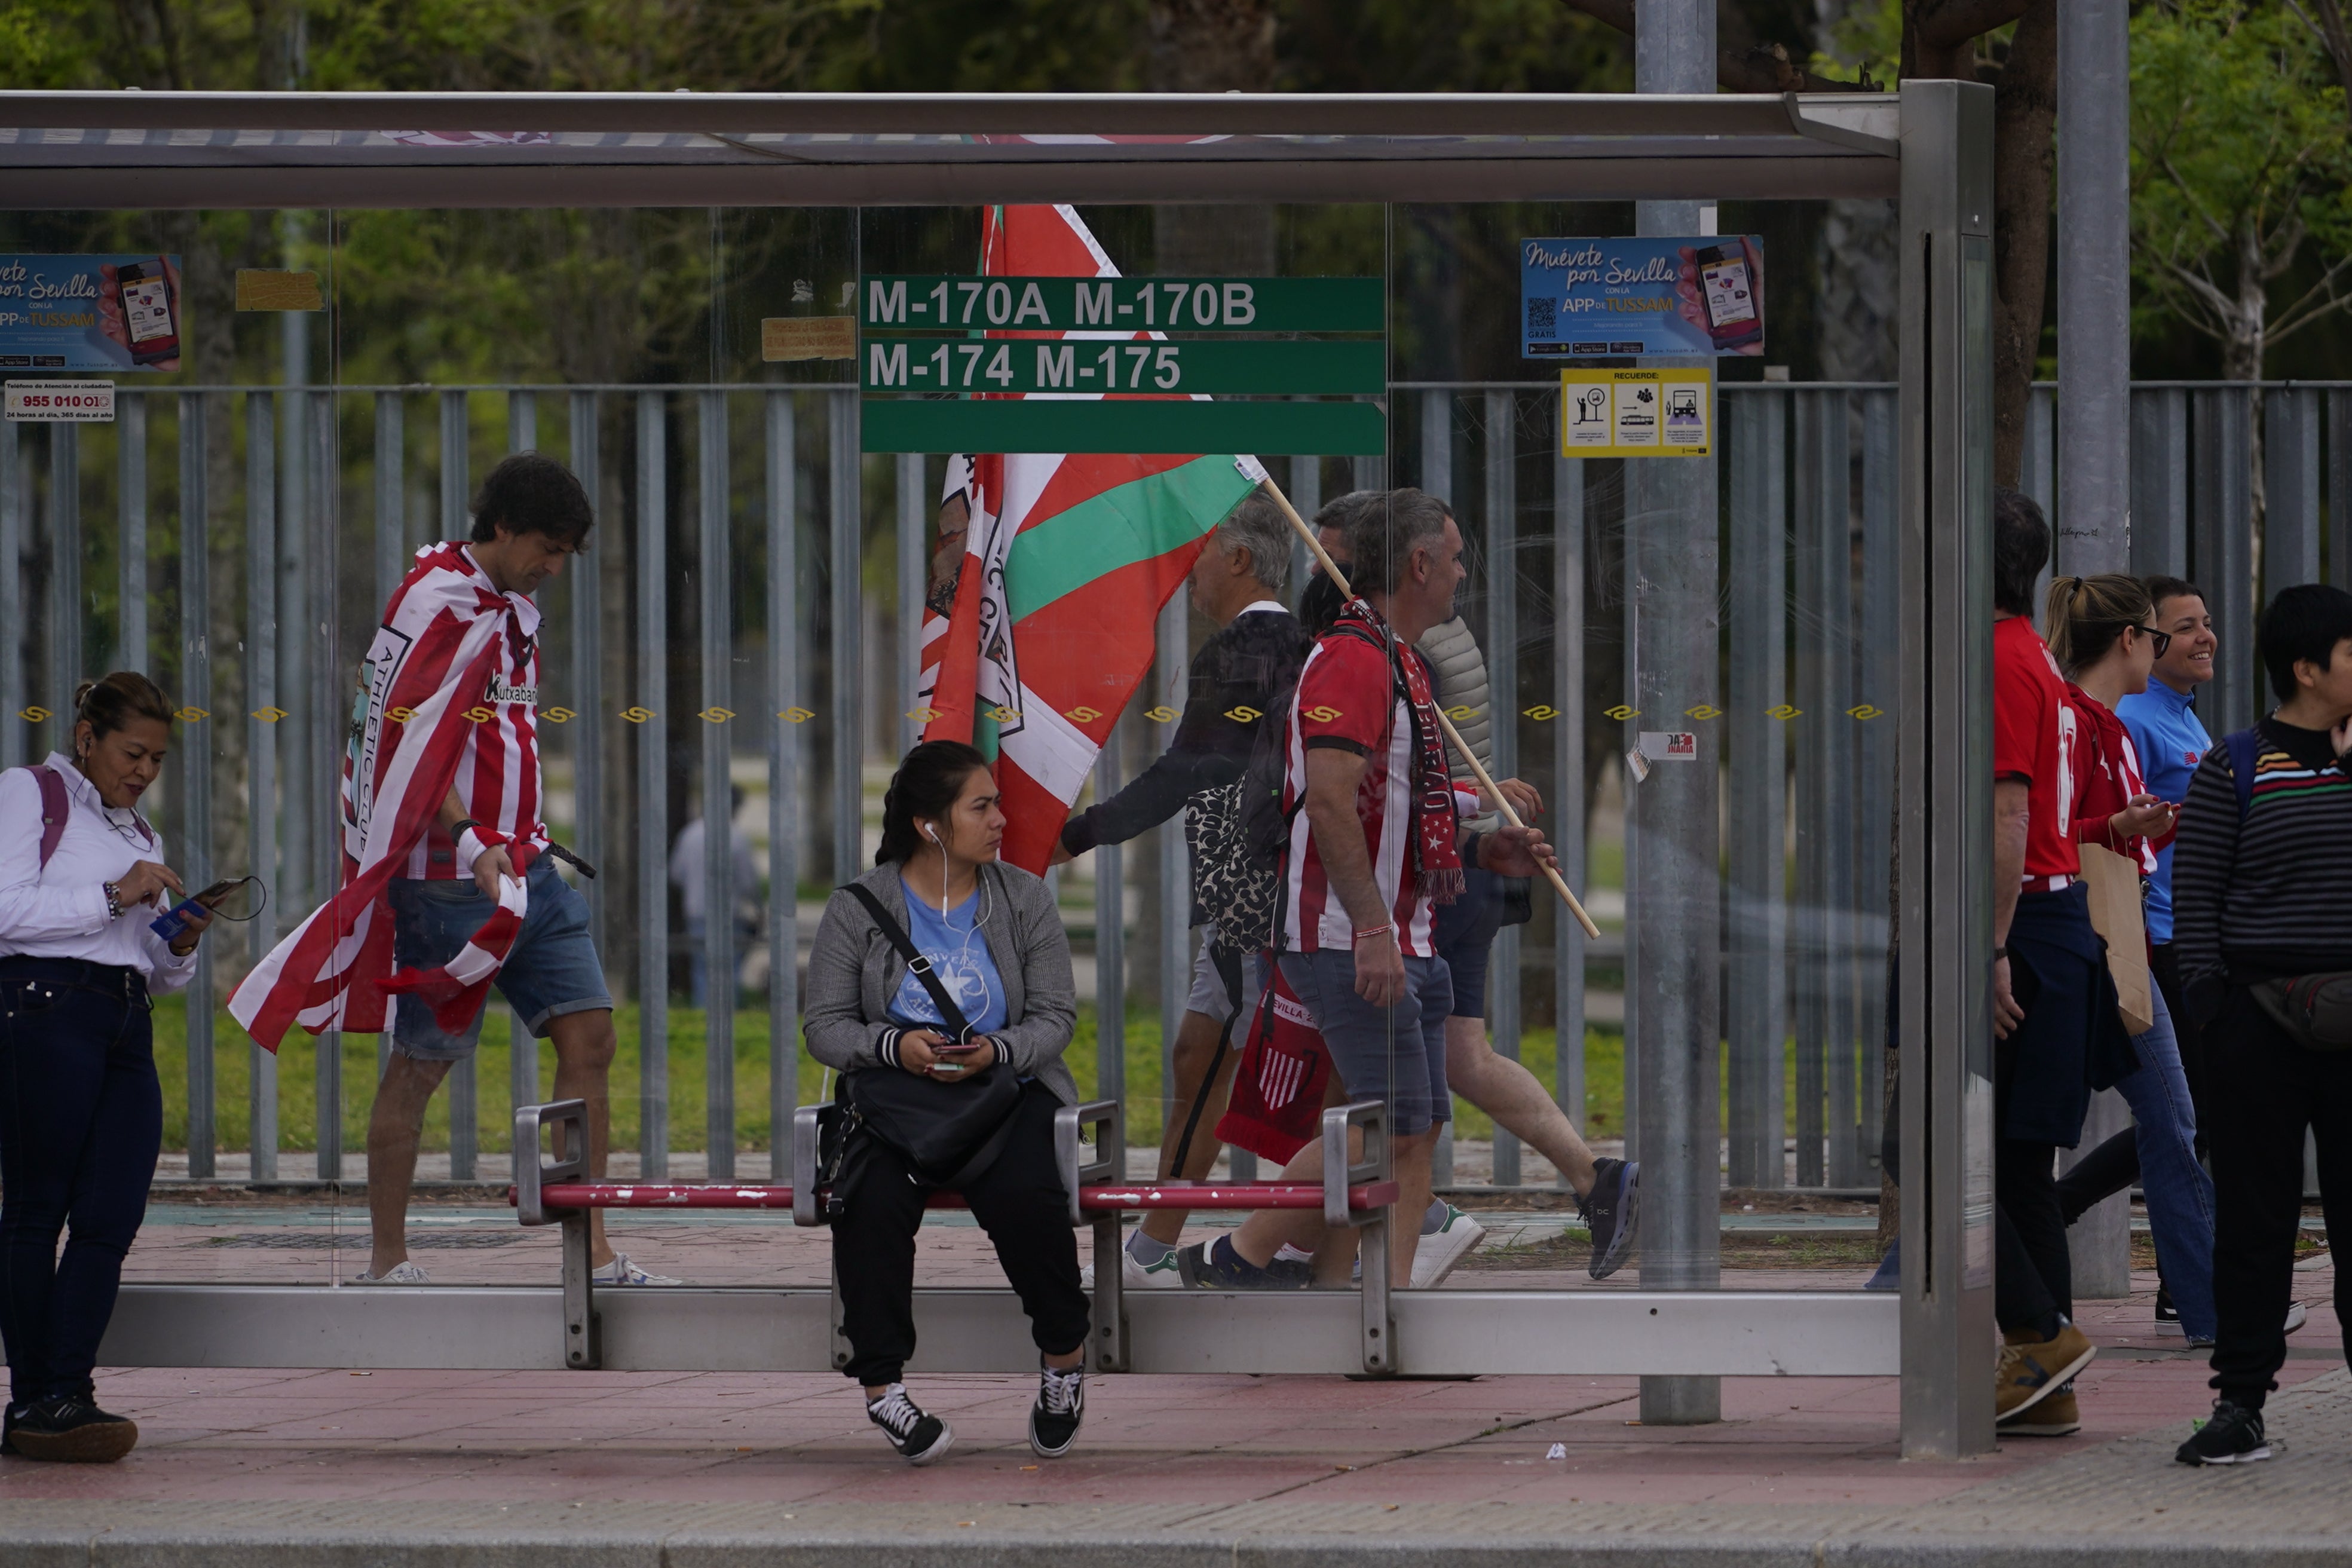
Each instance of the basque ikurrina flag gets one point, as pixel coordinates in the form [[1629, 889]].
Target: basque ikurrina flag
[[453, 670], [1068, 560]]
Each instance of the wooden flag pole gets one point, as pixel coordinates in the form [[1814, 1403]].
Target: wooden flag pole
[[1453, 736]]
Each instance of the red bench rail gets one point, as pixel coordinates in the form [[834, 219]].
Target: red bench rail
[[1242, 1195]]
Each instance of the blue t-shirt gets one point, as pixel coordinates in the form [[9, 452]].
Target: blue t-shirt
[[2170, 742], [957, 950]]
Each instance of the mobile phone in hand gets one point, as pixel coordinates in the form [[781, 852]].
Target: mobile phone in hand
[[173, 923]]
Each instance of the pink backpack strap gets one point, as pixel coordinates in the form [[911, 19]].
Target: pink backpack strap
[[56, 806]]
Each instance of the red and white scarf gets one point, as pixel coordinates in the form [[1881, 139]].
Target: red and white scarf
[[428, 672], [1437, 822]]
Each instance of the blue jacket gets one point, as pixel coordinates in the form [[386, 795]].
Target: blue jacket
[[2169, 739]]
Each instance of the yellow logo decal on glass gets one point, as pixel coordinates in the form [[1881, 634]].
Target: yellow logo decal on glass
[[1162, 714], [1322, 713], [716, 715], [1244, 715], [1002, 714], [400, 715], [802, 715], [1542, 712], [190, 715], [636, 715], [481, 714], [1703, 712], [35, 714], [1783, 713], [560, 715], [269, 715], [1082, 714], [1461, 711], [1865, 711], [1622, 713]]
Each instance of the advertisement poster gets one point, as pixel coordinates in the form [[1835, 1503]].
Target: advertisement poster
[[90, 312], [1635, 412], [1613, 298]]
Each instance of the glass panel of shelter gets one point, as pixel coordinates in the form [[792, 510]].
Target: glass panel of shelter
[[658, 354]]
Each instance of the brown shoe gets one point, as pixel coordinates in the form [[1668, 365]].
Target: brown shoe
[[2031, 1369], [2056, 1415]]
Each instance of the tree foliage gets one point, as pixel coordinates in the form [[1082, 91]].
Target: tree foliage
[[2240, 159]]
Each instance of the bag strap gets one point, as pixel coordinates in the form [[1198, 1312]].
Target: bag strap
[[56, 806], [985, 1155], [1229, 974], [895, 934], [2245, 748]]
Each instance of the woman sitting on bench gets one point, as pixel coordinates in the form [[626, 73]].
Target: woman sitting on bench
[[939, 985]]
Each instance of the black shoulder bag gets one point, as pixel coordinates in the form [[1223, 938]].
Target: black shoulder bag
[[948, 1133]]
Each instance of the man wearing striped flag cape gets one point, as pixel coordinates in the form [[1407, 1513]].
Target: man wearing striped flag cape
[[1065, 564], [449, 883]]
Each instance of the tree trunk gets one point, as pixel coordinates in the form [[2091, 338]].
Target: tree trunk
[[1210, 46], [2025, 112]]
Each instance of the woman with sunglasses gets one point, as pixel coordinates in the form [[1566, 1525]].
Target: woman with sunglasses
[[2101, 636], [82, 880]]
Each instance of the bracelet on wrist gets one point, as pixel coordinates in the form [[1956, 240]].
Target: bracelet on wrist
[[113, 900], [1369, 931]]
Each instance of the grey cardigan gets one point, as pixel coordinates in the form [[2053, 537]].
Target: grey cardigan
[[853, 973]]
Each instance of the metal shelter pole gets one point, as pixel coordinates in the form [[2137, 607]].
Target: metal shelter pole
[[913, 575], [392, 557], [196, 756], [16, 618], [586, 727], [1437, 480], [1945, 792], [784, 783], [1674, 911], [716, 575], [68, 640], [1502, 1010], [1174, 635], [457, 485], [653, 785], [261, 744], [2221, 548], [2159, 485], [1568, 777], [845, 524], [1757, 1008], [130, 504]]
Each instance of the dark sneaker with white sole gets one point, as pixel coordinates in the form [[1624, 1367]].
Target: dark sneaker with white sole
[[919, 1437], [1061, 1405], [1611, 1211], [67, 1428], [1215, 1266], [2232, 1435]]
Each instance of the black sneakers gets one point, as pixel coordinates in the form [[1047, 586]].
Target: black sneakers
[[2232, 1435], [1215, 1266], [1613, 1211], [1061, 1405], [69, 1428], [919, 1437]]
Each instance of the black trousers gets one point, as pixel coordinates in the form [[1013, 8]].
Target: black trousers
[[2034, 1274], [2115, 1164], [1019, 1201], [82, 1118], [2273, 1090]]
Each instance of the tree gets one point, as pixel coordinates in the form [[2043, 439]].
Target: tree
[[2241, 156]]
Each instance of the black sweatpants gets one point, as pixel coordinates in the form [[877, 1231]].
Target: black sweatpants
[[1019, 1201], [2034, 1274], [2273, 1089]]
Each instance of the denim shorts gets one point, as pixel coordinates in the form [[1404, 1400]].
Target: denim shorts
[[1394, 1054], [1209, 996], [1463, 935], [552, 970]]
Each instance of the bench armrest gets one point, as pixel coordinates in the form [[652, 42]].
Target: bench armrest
[[533, 1170], [1338, 1175], [1070, 1122], [807, 1208]]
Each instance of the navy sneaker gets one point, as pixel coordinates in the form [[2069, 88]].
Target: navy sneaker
[[1215, 1266], [2232, 1435], [1612, 1212]]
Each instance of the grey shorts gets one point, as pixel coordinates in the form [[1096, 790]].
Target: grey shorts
[[1209, 996], [1395, 1054], [552, 970]]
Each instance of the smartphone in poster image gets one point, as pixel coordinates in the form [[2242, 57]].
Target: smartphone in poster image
[[1619, 299], [102, 312]]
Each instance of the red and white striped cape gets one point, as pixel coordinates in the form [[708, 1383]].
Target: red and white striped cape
[[433, 687]]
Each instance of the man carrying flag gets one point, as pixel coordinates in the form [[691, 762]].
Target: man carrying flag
[[449, 883]]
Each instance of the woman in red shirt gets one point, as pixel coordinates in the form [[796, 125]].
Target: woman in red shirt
[[2101, 637]]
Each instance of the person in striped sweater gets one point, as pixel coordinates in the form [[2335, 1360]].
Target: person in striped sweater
[[2259, 868]]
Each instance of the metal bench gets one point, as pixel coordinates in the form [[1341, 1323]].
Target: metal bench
[[1358, 1194]]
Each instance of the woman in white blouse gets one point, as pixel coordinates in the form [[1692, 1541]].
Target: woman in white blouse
[[81, 1115]]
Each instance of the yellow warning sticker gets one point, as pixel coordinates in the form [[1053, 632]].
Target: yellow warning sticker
[[1636, 413], [265, 288], [808, 337]]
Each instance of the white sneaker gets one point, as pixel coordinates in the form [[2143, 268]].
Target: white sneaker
[[2295, 1316], [1136, 1275], [621, 1271], [1438, 1252], [400, 1273]]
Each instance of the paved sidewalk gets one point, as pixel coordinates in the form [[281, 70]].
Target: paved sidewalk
[[254, 1469]]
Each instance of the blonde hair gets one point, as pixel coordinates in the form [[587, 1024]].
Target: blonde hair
[[2087, 615]]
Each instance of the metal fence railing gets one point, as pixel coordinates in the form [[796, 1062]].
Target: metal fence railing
[[746, 617]]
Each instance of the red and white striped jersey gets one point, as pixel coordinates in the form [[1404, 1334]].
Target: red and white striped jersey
[[498, 780], [1348, 700]]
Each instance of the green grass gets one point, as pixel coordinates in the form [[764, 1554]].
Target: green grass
[[1604, 1071]]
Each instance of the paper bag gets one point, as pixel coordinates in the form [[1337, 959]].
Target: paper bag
[[2113, 885]]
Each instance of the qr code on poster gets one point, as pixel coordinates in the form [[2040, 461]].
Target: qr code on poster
[[1543, 318]]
